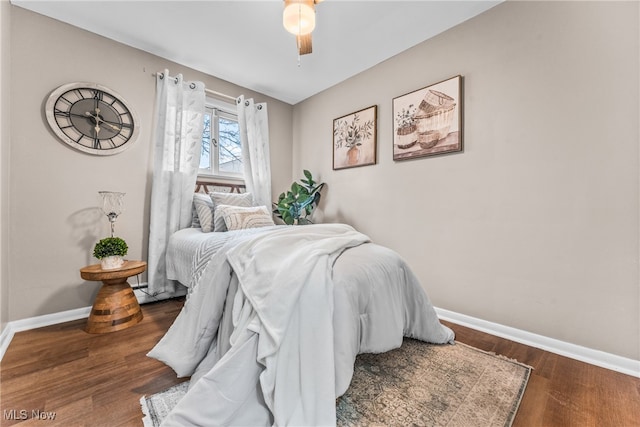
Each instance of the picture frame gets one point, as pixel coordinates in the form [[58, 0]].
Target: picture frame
[[428, 121], [355, 139]]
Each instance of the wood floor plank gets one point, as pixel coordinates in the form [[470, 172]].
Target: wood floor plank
[[98, 379], [533, 406]]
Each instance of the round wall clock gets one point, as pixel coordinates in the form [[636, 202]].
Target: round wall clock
[[91, 118]]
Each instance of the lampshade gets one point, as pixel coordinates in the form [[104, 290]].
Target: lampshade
[[299, 17]]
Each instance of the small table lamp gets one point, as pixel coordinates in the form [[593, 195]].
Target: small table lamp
[[112, 206]]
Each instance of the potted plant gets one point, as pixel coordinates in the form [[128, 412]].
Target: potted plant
[[110, 251], [297, 204], [350, 134], [406, 123]]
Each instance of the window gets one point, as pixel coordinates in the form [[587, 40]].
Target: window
[[221, 153]]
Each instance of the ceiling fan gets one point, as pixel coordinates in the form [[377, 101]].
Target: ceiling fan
[[299, 18]]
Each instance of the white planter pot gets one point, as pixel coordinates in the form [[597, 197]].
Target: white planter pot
[[111, 262]]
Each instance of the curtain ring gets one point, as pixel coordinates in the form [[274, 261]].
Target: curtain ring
[[246, 103], [161, 76], [176, 80], [259, 107], [192, 85]]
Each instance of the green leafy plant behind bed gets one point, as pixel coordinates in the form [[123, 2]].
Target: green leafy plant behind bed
[[111, 246], [294, 206]]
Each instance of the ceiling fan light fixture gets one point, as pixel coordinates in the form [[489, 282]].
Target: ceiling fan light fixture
[[299, 17]]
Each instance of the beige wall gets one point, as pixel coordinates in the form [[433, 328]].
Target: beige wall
[[53, 196], [5, 135], [535, 225]]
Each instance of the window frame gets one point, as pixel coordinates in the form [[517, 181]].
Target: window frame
[[218, 109]]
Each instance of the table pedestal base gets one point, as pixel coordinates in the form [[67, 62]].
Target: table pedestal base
[[114, 308]]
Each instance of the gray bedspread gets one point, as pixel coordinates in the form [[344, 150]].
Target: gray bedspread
[[271, 330]]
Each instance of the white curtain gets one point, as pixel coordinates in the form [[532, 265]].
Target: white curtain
[[177, 144], [253, 122]]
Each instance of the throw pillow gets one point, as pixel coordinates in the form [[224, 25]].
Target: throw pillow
[[201, 198], [228, 199], [241, 218]]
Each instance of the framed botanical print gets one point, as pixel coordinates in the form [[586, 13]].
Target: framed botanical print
[[354, 139], [428, 121]]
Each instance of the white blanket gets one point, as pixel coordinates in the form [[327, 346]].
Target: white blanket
[[289, 355]]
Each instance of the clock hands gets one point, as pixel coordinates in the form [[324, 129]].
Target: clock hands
[[99, 120], [113, 124], [96, 119], [80, 115], [114, 127]]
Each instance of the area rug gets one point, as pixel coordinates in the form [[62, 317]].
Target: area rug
[[418, 384]]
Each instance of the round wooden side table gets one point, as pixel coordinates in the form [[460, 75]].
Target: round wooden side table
[[115, 306]]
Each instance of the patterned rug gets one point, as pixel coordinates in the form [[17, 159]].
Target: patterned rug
[[418, 384]]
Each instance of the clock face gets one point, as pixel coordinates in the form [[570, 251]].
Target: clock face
[[91, 118]]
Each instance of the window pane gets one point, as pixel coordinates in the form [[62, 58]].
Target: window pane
[[205, 154], [221, 153], [230, 154]]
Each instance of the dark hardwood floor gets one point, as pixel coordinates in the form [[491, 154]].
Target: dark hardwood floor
[[563, 391], [86, 379], [97, 380]]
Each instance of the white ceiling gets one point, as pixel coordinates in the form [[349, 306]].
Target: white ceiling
[[244, 42]]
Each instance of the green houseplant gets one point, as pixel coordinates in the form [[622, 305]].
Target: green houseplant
[[297, 204], [110, 251]]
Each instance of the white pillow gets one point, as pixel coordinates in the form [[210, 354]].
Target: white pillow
[[228, 199], [241, 218], [204, 210], [200, 197]]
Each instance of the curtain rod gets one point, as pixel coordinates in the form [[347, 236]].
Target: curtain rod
[[209, 91]]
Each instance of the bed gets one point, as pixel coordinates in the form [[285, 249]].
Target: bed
[[276, 316]]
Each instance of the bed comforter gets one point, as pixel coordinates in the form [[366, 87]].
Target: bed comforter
[[276, 318]]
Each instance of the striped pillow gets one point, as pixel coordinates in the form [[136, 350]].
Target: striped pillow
[[241, 218], [203, 217], [228, 199], [200, 198]]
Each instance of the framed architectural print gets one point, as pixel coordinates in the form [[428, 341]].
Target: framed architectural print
[[354, 139], [428, 121]]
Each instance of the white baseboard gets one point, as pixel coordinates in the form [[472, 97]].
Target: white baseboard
[[573, 351], [38, 322], [5, 339], [67, 316]]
